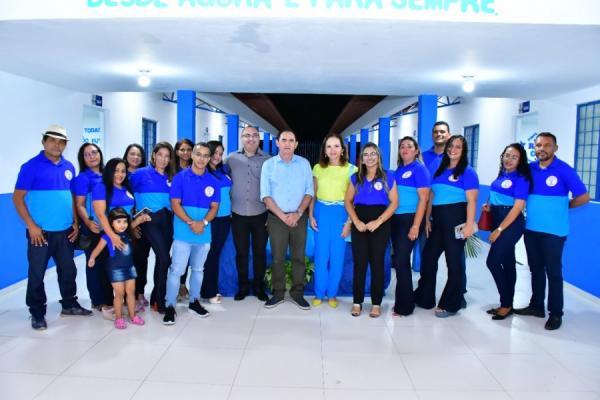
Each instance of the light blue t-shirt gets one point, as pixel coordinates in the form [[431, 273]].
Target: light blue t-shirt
[[286, 182]]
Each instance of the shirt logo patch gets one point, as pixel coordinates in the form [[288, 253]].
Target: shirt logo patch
[[451, 178], [506, 183], [551, 181], [209, 191], [129, 195], [407, 174], [378, 185], [68, 175], [169, 183]]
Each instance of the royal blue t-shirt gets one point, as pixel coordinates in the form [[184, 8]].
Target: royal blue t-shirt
[[548, 203], [151, 189], [83, 185], [432, 160], [375, 192], [196, 193], [225, 188], [409, 178], [120, 198], [449, 190], [48, 187], [507, 188]]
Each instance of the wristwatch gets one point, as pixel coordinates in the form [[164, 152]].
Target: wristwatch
[[499, 229], [205, 222]]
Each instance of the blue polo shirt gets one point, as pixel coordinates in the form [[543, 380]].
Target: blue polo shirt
[[83, 185], [151, 189], [120, 198], [450, 190], [48, 187], [548, 203], [225, 189], [432, 160], [196, 193], [507, 188], [286, 182], [372, 193], [408, 179]]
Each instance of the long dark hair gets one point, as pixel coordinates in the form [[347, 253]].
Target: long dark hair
[[177, 158], [463, 162], [414, 142], [118, 213], [170, 170], [81, 158], [141, 149], [324, 160], [361, 175], [108, 177], [523, 166], [213, 145]]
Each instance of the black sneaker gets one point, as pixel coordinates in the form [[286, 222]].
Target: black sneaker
[[240, 295], [169, 318], [274, 302], [300, 302], [553, 323], [76, 310], [262, 296], [197, 308], [530, 311], [38, 324]]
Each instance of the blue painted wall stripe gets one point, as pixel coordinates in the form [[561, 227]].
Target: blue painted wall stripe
[[384, 140], [186, 115]]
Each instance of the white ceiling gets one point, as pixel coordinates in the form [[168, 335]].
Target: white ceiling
[[304, 56]]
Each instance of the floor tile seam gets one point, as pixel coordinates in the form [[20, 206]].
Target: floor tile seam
[[322, 354], [505, 389], [410, 379], [145, 378], [244, 349], [577, 376]]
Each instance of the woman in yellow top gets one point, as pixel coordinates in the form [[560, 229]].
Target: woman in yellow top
[[327, 215]]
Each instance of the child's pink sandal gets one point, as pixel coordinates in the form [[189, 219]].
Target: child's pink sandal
[[137, 320], [120, 323]]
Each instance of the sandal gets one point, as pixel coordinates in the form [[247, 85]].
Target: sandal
[[375, 312], [137, 320], [356, 310], [120, 323]]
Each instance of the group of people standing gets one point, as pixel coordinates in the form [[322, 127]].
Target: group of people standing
[[184, 203]]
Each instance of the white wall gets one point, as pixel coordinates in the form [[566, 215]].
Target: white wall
[[27, 107], [209, 125]]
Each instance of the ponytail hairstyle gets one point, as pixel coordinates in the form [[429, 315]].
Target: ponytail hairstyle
[[415, 143], [108, 177], [523, 166]]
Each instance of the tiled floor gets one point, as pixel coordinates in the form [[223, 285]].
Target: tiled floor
[[244, 351]]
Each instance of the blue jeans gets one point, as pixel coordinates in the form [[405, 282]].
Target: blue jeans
[[61, 250], [544, 255], [182, 252], [330, 248]]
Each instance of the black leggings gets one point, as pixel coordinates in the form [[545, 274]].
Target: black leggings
[[368, 248], [403, 246], [159, 233]]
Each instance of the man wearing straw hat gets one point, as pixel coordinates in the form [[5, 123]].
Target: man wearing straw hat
[[43, 200]]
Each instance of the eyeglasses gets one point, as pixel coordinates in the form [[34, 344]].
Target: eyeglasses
[[370, 155], [204, 156], [248, 136], [92, 153], [511, 157]]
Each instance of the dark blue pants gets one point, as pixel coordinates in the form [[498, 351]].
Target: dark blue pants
[[141, 252], [501, 258], [244, 228], [61, 250], [98, 284], [442, 240], [403, 246], [544, 255], [219, 230], [159, 233]]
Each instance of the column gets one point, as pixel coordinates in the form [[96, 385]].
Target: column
[[364, 137], [266, 142], [273, 145], [233, 133], [186, 115], [384, 141], [353, 149], [427, 117]]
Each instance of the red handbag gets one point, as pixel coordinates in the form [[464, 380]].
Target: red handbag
[[485, 221]]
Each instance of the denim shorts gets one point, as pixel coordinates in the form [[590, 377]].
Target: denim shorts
[[122, 274]]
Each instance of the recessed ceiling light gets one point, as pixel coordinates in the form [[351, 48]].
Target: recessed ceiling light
[[468, 84], [144, 78]]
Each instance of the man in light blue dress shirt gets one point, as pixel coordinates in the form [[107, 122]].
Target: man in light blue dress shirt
[[286, 187]]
